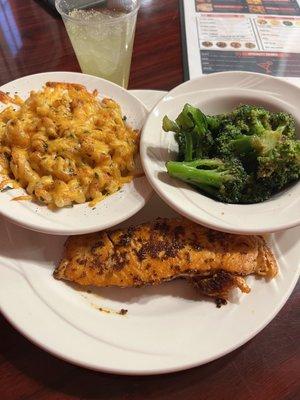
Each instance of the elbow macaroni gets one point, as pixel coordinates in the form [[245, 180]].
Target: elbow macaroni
[[65, 146]]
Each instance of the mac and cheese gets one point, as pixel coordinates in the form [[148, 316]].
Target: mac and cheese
[[65, 146]]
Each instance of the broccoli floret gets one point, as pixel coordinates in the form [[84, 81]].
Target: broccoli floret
[[236, 129], [214, 123], [275, 170], [286, 122], [242, 132], [222, 180], [246, 144], [192, 135], [223, 143], [246, 117], [254, 120], [280, 166], [255, 192], [266, 131]]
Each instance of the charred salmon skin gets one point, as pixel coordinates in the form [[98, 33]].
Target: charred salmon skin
[[162, 250]]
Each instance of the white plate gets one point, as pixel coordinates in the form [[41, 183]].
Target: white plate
[[81, 218], [167, 328], [214, 94]]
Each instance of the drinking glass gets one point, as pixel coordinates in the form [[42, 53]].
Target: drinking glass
[[102, 34]]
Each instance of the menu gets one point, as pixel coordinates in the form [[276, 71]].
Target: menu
[[242, 35]]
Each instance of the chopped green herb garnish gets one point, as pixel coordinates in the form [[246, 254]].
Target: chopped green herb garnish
[[6, 189]]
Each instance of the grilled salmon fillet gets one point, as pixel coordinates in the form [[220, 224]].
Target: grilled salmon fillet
[[162, 250]]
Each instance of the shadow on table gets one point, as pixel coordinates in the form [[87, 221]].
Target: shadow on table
[[47, 8]]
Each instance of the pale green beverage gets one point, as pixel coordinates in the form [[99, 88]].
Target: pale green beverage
[[102, 38]]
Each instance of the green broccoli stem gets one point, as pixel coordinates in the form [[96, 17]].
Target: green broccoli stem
[[188, 153], [169, 125], [213, 122], [188, 172], [211, 163], [257, 128], [267, 142]]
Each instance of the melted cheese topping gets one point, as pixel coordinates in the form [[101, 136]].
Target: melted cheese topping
[[65, 146]]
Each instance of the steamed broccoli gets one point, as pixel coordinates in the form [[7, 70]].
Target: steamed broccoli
[[222, 180], [193, 137], [253, 120], [250, 128], [286, 122], [223, 143], [280, 166], [214, 123], [255, 192], [260, 144], [276, 170], [244, 156]]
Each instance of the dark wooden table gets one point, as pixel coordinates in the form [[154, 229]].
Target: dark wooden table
[[32, 40]]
